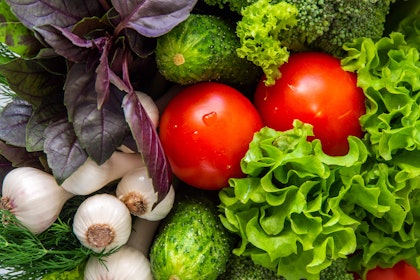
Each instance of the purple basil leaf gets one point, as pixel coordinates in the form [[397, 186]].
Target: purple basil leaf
[[30, 80], [152, 18], [93, 27], [65, 43], [64, 152], [148, 144], [50, 109], [129, 142], [13, 121], [79, 79], [19, 157], [63, 13], [139, 44], [103, 72], [5, 167], [100, 131]]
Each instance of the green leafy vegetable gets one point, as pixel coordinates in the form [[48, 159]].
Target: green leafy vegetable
[[288, 210], [29, 256], [409, 25], [388, 71], [259, 32], [298, 210], [19, 39], [75, 274]]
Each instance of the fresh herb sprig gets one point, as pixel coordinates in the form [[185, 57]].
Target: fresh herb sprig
[[30, 256]]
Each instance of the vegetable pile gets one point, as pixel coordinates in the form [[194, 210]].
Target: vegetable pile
[[221, 139]]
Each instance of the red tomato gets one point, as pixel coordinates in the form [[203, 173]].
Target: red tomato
[[205, 132], [400, 271], [316, 90]]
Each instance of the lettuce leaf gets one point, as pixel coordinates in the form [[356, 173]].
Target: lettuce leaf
[[299, 209], [388, 71], [259, 31], [288, 211]]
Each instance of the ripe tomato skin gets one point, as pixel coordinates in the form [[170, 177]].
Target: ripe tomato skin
[[205, 131], [316, 90], [400, 271]]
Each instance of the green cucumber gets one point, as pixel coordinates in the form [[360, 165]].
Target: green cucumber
[[192, 243], [203, 48]]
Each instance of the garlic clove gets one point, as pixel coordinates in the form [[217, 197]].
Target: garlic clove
[[34, 197], [137, 192], [91, 177], [162, 209], [102, 222], [126, 263]]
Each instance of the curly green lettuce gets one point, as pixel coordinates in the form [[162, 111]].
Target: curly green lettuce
[[388, 71], [259, 32], [287, 211], [298, 209]]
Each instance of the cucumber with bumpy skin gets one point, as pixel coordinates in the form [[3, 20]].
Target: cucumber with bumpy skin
[[203, 48], [192, 244]]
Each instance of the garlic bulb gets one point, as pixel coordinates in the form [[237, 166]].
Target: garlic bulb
[[91, 177], [34, 197], [136, 190], [149, 106], [125, 264], [102, 222]]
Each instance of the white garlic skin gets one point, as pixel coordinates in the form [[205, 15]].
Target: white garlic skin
[[143, 234], [91, 177], [35, 198], [102, 210], [125, 264], [163, 208], [138, 184]]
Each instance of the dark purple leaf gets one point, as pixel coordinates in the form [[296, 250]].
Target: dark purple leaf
[[65, 43], [51, 62], [64, 152], [80, 79], [50, 109], [63, 13], [152, 18], [142, 46], [19, 157], [30, 79], [100, 131], [103, 72], [148, 144], [13, 121], [5, 167], [93, 27]]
